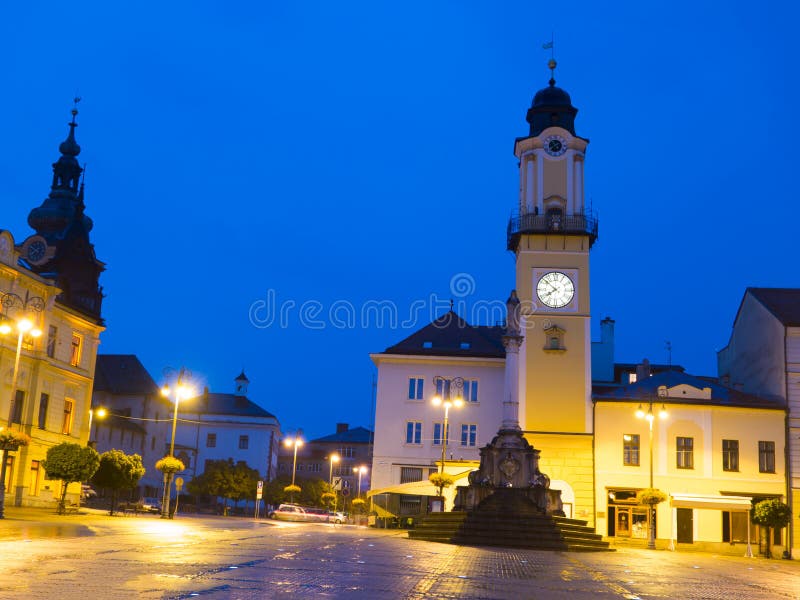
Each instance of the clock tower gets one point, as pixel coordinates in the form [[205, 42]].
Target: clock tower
[[551, 237]]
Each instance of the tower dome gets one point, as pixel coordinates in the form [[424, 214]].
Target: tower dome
[[551, 107]]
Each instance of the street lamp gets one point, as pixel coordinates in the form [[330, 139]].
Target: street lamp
[[360, 470], [181, 391], [446, 397], [295, 442], [100, 413], [334, 458], [650, 417], [24, 327]]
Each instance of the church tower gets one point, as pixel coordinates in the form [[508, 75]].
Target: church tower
[[551, 237], [60, 248]]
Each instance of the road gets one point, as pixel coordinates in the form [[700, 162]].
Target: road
[[94, 556]]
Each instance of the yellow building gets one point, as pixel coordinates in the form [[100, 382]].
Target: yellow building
[[714, 450], [49, 281]]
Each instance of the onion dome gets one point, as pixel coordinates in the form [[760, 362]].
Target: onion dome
[[551, 107]]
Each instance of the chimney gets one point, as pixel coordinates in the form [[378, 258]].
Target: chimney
[[607, 331], [342, 427], [643, 370]]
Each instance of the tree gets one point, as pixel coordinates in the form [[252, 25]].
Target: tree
[[772, 514], [10, 441], [226, 479], [118, 471], [441, 481], [70, 463]]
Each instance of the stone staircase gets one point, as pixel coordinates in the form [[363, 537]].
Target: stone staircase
[[510, 520]]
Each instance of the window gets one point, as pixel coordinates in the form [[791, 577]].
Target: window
[[66, 423], [211, 440], [413, 432], [427, 344], [16, 412], [415, 388], [630, 449], [437, 433], [346, 452], [631, 377], [471, 390], [314, 467], [75, 355], [44, 400], [469, 434], [35, 478], [766, 457], [410, 474], [244, 442], [685, 453], [730, 455], [51, 341]]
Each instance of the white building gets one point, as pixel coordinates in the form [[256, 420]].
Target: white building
[[458, 359], [227, 426]]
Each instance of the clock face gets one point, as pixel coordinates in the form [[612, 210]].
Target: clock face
[[555, 145], [36, 251], [555, 289]]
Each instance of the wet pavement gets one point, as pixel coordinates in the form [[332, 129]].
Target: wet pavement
[[89, 556]]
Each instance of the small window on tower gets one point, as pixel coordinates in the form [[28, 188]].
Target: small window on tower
[[554, 340]]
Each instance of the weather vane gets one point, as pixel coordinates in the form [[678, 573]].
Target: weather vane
[[551, 64]]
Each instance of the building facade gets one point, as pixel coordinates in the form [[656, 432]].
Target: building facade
[[763, 357], [137, 419], [52, 280]]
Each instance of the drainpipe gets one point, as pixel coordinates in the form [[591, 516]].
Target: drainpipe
[[787, 455]]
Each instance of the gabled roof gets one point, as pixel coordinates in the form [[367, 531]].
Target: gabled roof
[[224, 404], [450, 335], [647, 389], [122, 374], [358, 435], [783, 303]]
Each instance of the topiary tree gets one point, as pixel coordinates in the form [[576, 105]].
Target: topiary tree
[[70, 463], [329, 500], [358, 505], [441, 481], [118, 471], [292, 489], [10, 441], [772, 514]]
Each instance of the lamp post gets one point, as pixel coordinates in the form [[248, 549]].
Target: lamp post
[[334, 458], [295, 442], [101, 413], [181, 391], [446, 397], [650, 417], [24, 326], [360, 470]]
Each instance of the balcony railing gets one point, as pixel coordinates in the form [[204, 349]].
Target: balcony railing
[[556, 223]]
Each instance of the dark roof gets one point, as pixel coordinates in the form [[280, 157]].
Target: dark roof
[[359, 435], [783, 303], [122, 374], [224, 404], [450, 335], [648, 389]]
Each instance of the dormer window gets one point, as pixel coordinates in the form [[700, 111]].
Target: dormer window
[[465, 345], [427, 344]]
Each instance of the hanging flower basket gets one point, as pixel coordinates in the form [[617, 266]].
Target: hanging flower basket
[[651, 496], [12, 440], [292, 489], [170, 464]]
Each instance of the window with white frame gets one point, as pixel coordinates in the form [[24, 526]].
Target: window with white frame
[[76, 349], [244, 442], [470, 390], [469, 434], [438, 428], [416, 387], [414, 432]]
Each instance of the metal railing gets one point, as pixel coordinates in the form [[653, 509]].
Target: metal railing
[[576, 224]]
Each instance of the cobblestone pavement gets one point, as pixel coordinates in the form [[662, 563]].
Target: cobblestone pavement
[[96, 556]]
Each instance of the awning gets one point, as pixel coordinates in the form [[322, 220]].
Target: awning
[[417, 488], [710, 502]]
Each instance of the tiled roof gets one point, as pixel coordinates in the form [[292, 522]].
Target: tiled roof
[[358, 435], [123, 374], [647, 389], [450, 335], [224, 404], [784, 303]]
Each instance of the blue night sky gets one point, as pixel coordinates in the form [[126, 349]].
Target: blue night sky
[[334, 154]]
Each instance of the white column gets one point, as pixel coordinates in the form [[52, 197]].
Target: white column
[[580, 201], [511, 388], [540, 185], [529, 199], [570, 182]]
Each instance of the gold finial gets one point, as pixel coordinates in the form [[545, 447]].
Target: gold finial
[[74, 110]]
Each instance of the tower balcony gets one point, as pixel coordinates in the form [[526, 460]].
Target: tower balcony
[[554, 222]]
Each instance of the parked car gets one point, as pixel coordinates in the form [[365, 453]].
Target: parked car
[[294, 512], [149, 504], [337, 517]]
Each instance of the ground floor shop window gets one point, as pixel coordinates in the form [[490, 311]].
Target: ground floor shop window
[[626, 518]]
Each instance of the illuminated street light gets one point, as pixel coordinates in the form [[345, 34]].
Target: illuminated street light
[[181, 391], [360, 470], [296, 442], [334, 458], [448, 394], [650, 417]]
